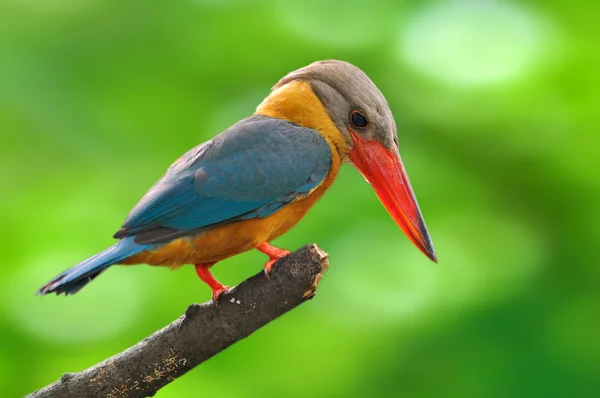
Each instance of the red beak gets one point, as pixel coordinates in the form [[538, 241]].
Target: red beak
[[384, 170]]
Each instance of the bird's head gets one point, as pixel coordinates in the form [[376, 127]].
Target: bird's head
[[363, 117]]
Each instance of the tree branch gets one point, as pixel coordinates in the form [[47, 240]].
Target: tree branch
[[203, 331]]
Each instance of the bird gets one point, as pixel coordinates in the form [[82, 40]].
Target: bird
[[257, 179]]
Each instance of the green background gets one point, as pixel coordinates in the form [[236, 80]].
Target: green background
[[497, 109]]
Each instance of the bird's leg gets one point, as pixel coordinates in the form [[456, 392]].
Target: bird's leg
[[203, 271], [274, 254]]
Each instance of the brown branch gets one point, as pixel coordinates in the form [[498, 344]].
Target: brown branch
[[203, 331]]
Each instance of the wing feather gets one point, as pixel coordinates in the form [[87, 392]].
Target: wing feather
[[252, 169]]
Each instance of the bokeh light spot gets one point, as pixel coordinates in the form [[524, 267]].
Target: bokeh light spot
[[345, 24], [382, 278], [88, 316], [469, 43], [484, 255], [242, 106], [378, 281]]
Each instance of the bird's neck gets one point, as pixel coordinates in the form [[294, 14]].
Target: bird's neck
[[297, 102]]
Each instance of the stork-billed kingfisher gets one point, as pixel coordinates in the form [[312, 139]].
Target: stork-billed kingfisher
[[257, 179]]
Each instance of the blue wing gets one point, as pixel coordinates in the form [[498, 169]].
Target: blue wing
[[250, 170]]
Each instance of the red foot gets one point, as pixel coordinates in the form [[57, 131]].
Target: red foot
[[217, 293], [203, 271], [274, 253]]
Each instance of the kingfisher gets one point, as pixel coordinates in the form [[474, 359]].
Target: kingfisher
[[257, 179]]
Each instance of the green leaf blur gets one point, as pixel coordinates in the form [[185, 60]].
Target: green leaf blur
[[497, 108]]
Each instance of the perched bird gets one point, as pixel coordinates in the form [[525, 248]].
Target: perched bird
[[257, 179]]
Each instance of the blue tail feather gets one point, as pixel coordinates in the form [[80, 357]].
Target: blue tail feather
[[73, 279]]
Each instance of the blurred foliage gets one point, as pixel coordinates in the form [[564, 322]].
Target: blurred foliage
[[497, 107]]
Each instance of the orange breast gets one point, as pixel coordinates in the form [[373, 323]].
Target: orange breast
[[295, 102]]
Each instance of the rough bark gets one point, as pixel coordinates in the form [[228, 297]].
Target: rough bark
[[201, 332]]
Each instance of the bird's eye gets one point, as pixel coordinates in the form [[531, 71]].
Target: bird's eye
[[358, 119]]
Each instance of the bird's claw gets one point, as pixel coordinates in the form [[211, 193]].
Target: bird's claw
[[269, 264], [268, 267], [217, 293]]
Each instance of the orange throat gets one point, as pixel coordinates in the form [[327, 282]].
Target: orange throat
[[297, 102]]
